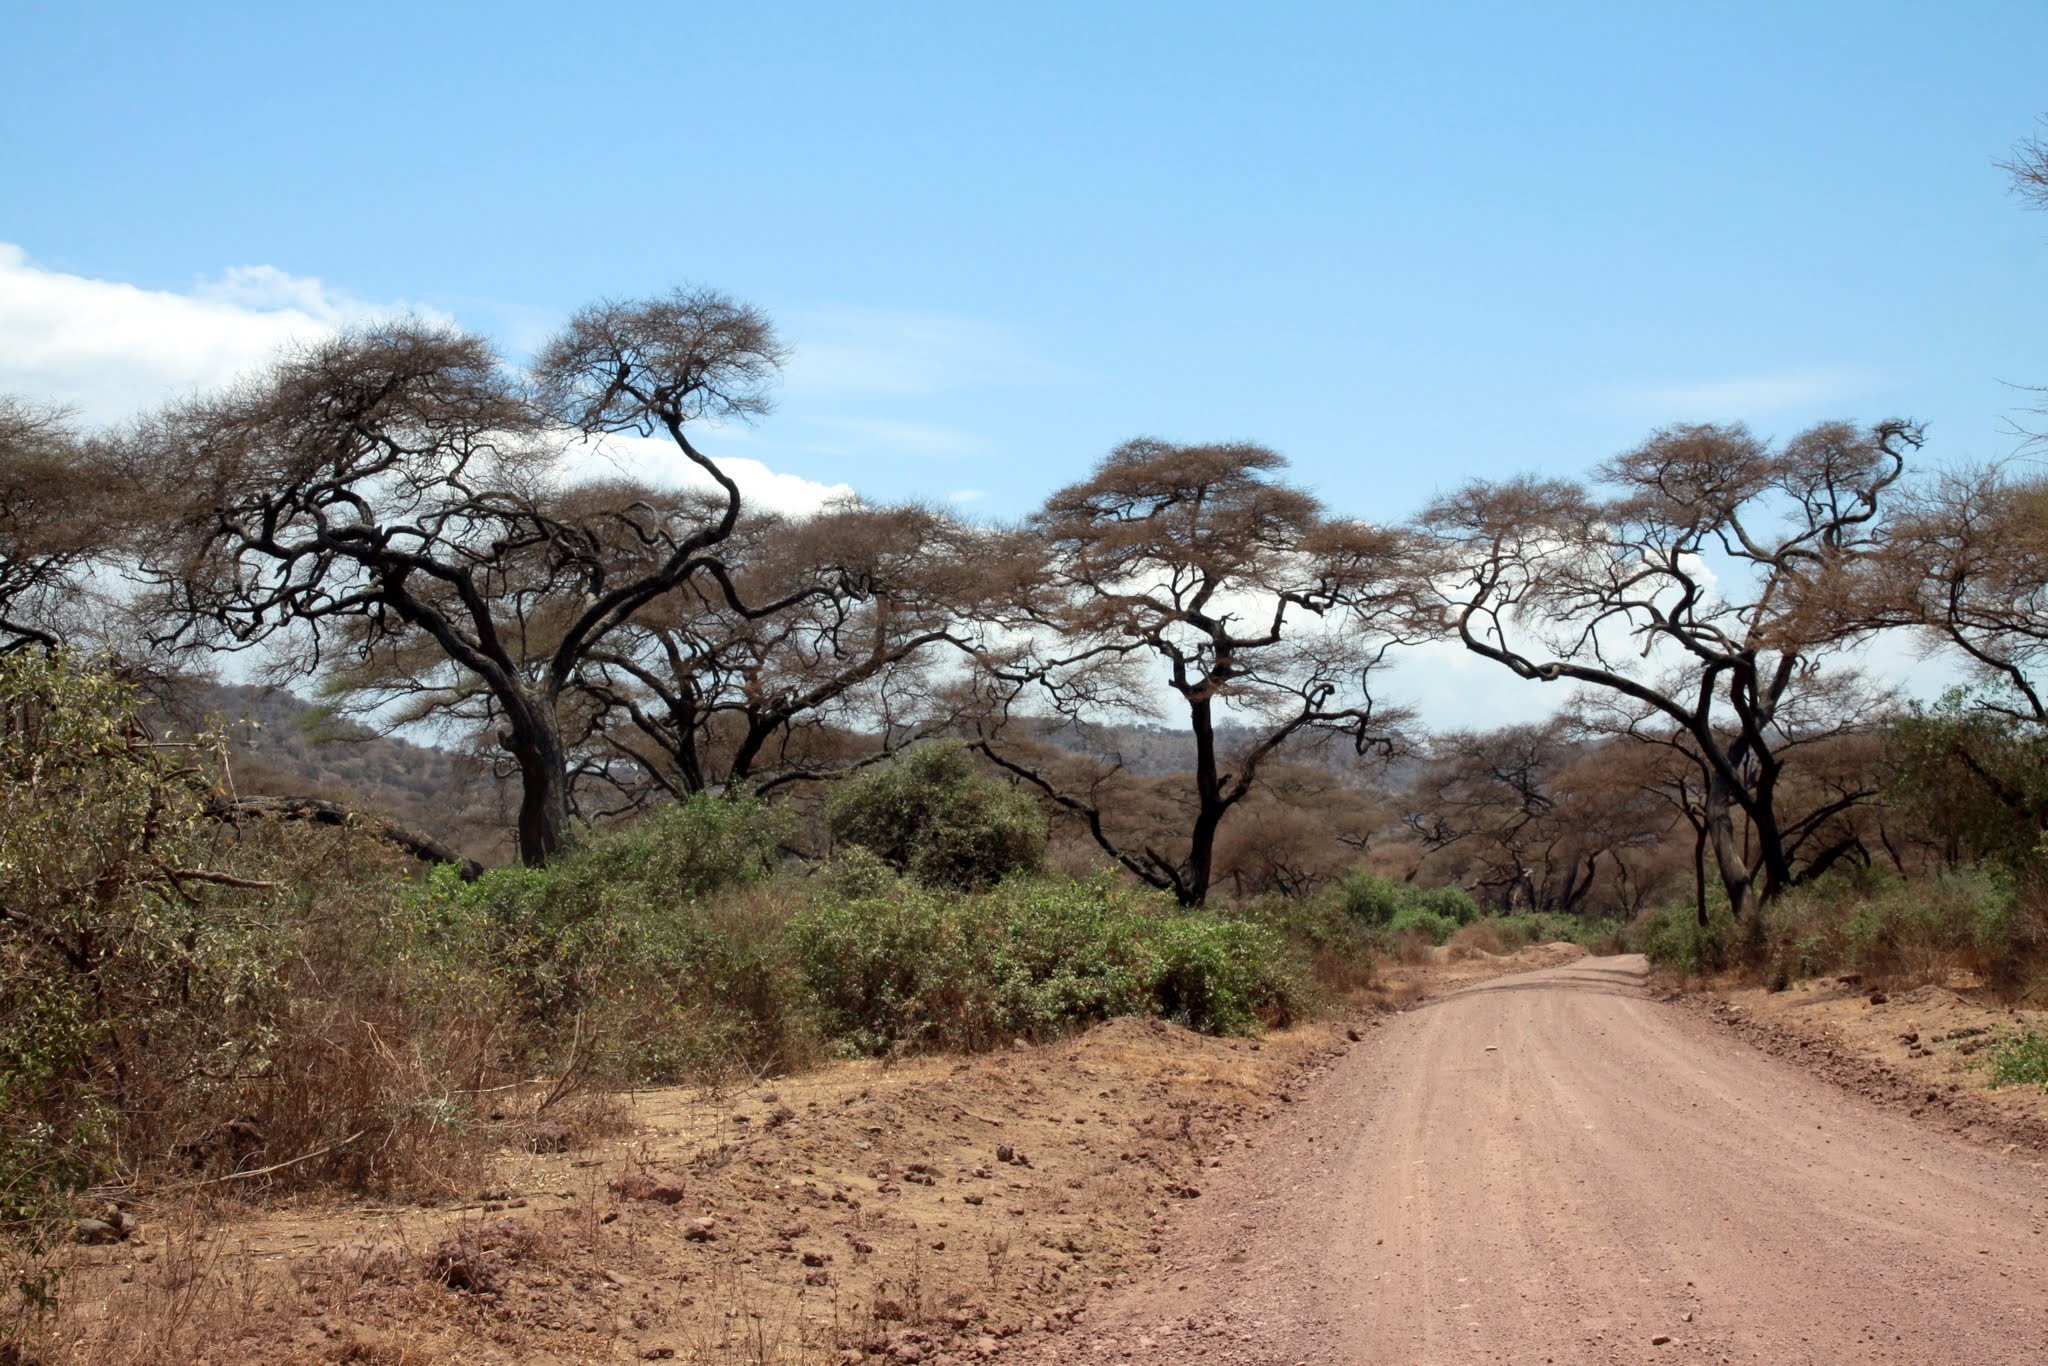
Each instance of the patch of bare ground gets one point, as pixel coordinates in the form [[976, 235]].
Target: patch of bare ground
[[906, 1212], [1923, 1050], [934, 1210]]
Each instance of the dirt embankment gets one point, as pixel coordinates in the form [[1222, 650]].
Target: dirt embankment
[[1924, 1051], [1561, 1165], [929, 1210]]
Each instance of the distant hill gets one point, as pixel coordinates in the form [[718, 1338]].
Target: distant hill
[[281, 745]]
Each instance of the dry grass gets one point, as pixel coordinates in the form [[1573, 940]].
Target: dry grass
[[1411, 947], [887, 1176], [1481, 936]]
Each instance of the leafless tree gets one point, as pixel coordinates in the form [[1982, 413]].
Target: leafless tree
[[58, 519], [1529, 816], [1706, 580], [397, 490], [1968, 563], [1190, 576], [833, 672]]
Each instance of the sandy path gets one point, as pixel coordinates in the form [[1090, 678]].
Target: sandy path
[[1554, 1167]]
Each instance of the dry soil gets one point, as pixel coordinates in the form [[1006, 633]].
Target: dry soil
[[1562, 1167]]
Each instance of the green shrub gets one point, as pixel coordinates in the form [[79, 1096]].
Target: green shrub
[[641, 944], [931, 816], [1454, 904], [1415, 919], [1338, 951], [917, 968], [1672, 937], [1974, 779], [1069, 953], [1876, 923], [1552, 927], [909, 968], [2021, 1062], [130, 959], [1222, 976], [1370, 899]]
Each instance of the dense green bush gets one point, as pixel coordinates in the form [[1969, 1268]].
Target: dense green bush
[[1672, 937], [127, 953], [1417, 919], [638, 944], [1454, 904], [1973, 779], [912, 967], [931, 816], [1370, 899], [1880, 924]]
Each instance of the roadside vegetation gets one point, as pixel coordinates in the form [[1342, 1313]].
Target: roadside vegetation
[[721, 794]]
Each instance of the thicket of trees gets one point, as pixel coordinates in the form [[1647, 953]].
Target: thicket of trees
[[397, 515]]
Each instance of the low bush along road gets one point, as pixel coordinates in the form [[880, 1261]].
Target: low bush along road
[[1557, 1167]]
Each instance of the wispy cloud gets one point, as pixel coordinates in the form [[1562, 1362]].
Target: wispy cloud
[[1743, 395], [873, 352], [656, 461], [962, 497], [889, 437]]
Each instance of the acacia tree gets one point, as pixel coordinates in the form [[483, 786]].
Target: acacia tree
[[1189, 576], [57, 518], [829, 672], [1706, 579], [398, 489], [1968, 563], [1532, 815]]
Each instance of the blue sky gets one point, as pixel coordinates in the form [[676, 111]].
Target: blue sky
[[1404, 245]]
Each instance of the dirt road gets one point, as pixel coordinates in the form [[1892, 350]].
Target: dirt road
[[1555, 1167]]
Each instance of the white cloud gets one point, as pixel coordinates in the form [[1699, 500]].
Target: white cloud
[[962, 497], [109, 350], [655, 460]]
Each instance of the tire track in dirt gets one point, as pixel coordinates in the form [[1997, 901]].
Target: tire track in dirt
[[1555, 1167]]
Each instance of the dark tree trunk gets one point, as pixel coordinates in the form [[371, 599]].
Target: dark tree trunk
[[536, 746], [1728, 860], [1209, 805]]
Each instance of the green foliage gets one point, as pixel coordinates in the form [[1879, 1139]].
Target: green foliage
[[909, 966], [1552, 927], [125, 955], [1418, 919], [1222, 976], [931, 816], [2021, 1062], [1454, 904], [1974, 780], [633, 943], [1885, 926], [1672, 937], [1397, 907], [1371, 899]]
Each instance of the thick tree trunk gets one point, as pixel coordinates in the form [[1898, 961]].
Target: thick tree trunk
[[1728, 860], [536, 747], [1699, 872], [1194, 889]]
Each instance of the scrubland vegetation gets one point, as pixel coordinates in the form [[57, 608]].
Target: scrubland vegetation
[[772, 790]]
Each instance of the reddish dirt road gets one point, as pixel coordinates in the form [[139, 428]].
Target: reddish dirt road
[[1554, 1167]]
